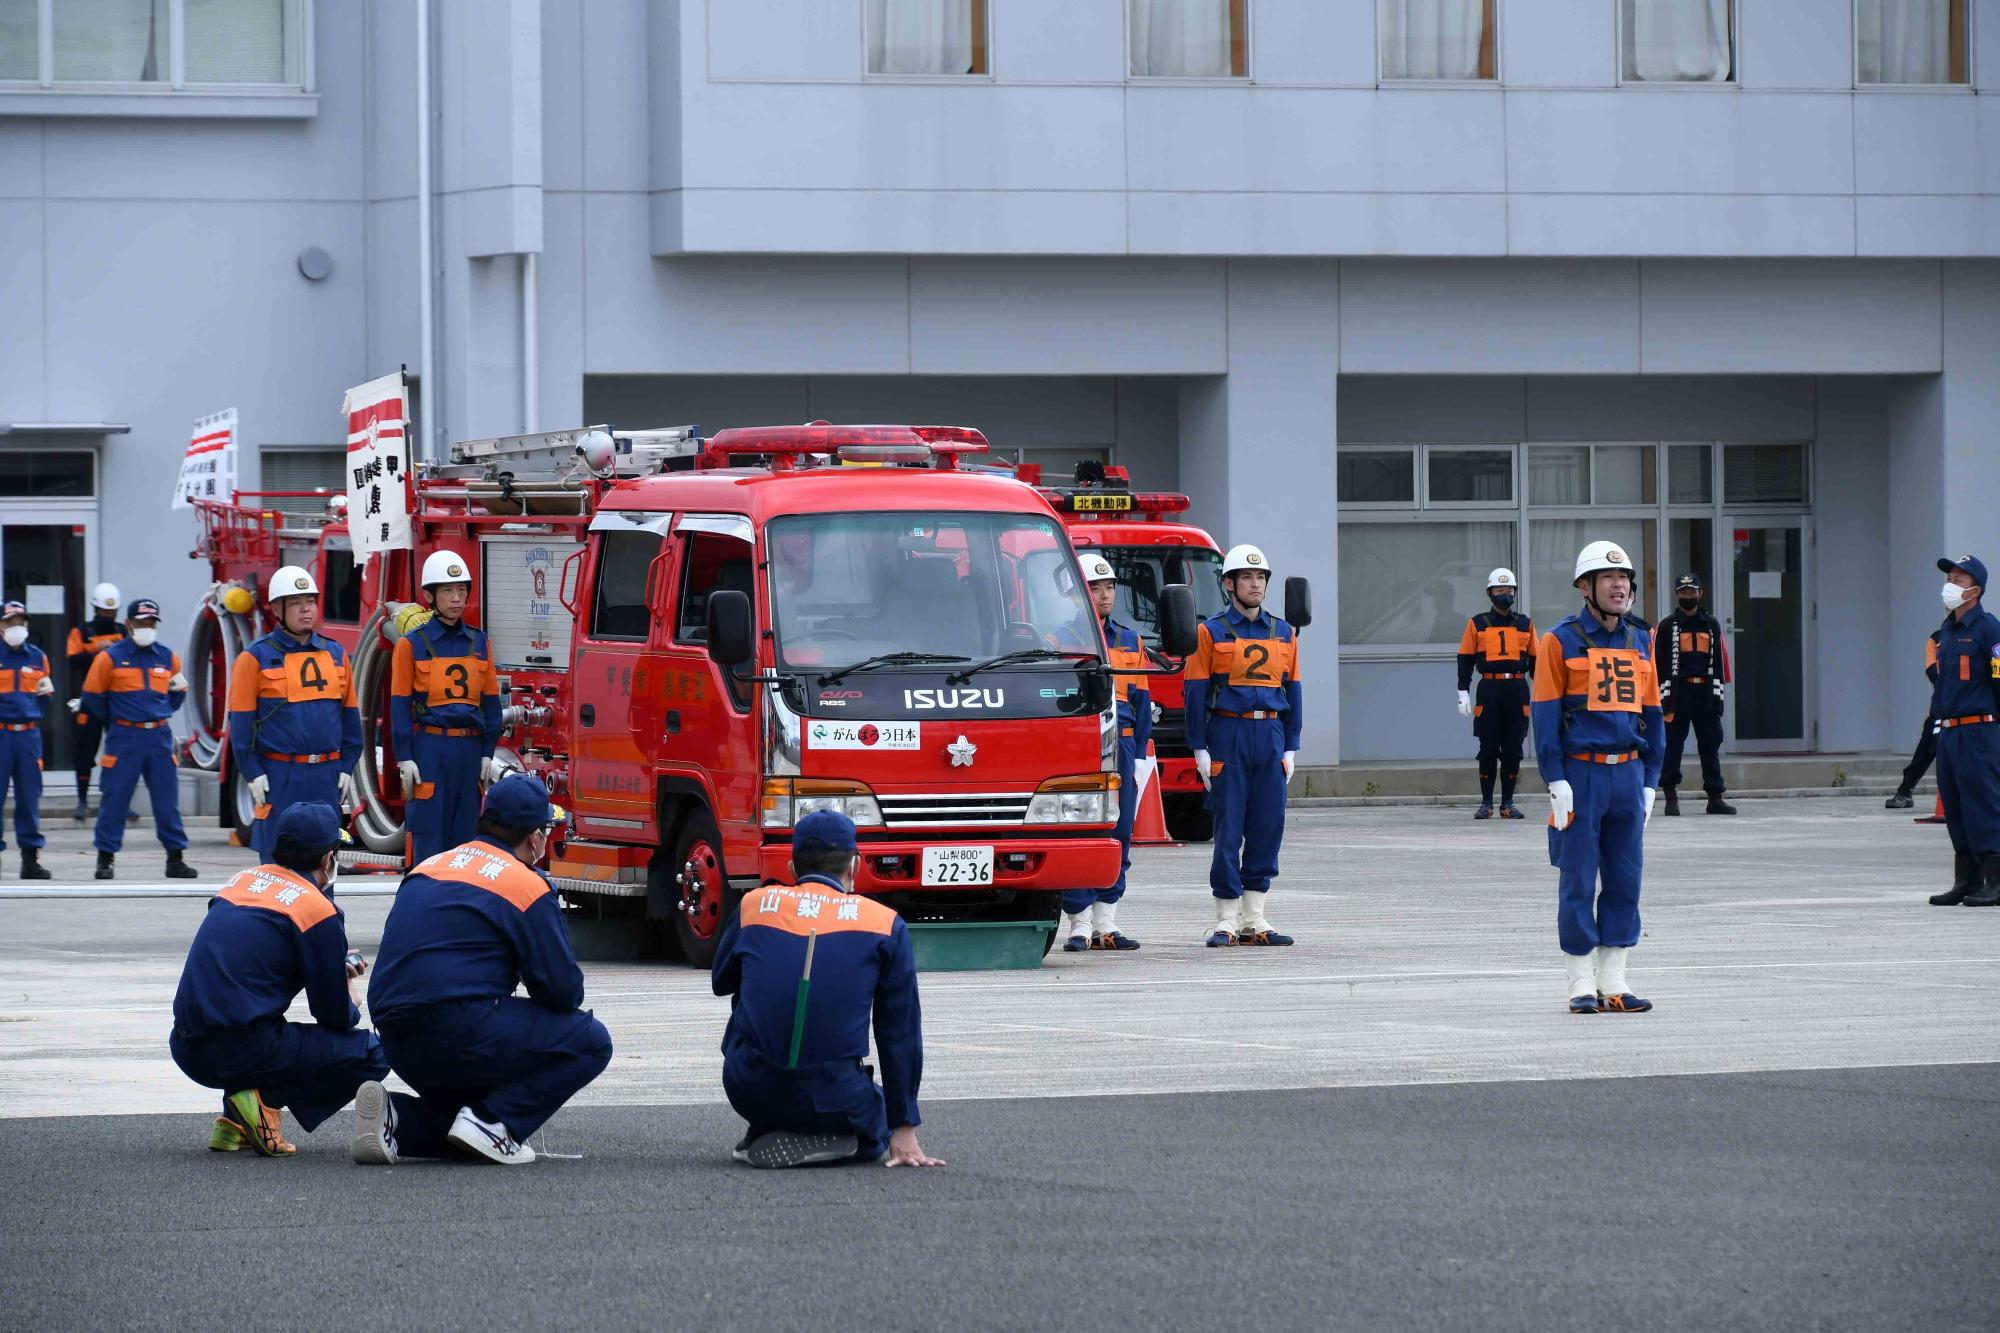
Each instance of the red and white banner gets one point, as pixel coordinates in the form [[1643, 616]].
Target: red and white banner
[[378, 466], [208, 470]]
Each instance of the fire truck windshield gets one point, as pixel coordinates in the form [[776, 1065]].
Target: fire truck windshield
[[1143, 570], [848, 587]]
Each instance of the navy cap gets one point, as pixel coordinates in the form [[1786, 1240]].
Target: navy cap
[[310, 824], [8, 610], [142, 606], [520, 800], [1972, 565], [823, 831], [1689, 581]]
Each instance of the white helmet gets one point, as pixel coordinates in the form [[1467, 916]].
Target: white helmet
[[104, 597], [1096, 569], [293, 581], [1245, 557], [445, 567], [1501, 578], [1598, 557]]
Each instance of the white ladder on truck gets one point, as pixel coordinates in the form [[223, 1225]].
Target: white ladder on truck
[[560, 453]]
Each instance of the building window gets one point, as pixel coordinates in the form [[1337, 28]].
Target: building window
[[323, 471], [47, 474], [1378, 477], [1437, 39], [132, 42], [1677, 41], [1190, 39], [1584, 474], [1405, 583], [1690, 474], [1764, 474], [927, 37], [1553, 544], [1912, 41], [1469, 476]]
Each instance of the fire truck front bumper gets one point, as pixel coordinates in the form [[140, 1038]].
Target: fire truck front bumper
[[959, 863]]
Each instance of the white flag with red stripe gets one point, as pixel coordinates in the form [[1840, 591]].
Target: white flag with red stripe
[[208, 469], [378, 466]]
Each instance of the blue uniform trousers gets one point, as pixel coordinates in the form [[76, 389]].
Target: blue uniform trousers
[[509, 1059], [838, 1097], [450, 764], [1968, 769], [131, 753], [1078, 901], [1604, 842], [307, 1069], [292, 784], [1247, 797], [21, 767]]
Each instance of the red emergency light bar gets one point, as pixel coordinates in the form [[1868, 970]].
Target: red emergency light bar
[[942, 445]]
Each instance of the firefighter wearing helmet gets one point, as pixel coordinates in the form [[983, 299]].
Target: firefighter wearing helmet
[[1243, 720], [1501, 643], [444, 712], [1090, 915], [134, 688], [1600, 737], [294, 730], [86, 641]]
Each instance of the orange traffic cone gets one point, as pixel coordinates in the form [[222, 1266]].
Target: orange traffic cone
[[1149, 824], [1936, 816]]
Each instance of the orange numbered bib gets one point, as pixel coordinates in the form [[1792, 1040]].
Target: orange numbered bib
[[1615, 680], [1255, 663], [449, 680]]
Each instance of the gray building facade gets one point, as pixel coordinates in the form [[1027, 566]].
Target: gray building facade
[[1398, 289]]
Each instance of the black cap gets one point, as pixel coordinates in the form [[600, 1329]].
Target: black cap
[[1689, 581]]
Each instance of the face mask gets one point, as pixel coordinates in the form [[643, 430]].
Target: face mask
[[1503, 601], [1954, 596], [16, 635], [1689, 604], [144, 637]]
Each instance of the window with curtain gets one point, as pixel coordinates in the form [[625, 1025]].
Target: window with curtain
[[1678, 41], [938, 37], [1559, 474], [20, 39], [1437, 39], [1552, 547], [241, 41], [1415, 583], [130, 41], [1190, 39], [111, 41], [1911, 41]]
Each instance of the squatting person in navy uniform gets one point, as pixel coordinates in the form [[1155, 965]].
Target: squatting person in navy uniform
[[24, 683], [1598, 743], [1966, 705], [804, 967], [489, 1067], [1501, 643], [293, 727], [1243, 724], [1090, 916], [444, 713], [133, 687], [86, 641], [1693, 663], [272, 932]]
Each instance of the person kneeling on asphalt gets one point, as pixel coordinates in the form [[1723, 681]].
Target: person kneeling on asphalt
[[489, 1067], [798, 1019], [272, 932]]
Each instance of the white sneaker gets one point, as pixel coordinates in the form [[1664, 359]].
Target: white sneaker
[[493, 1142], [374, 1126]]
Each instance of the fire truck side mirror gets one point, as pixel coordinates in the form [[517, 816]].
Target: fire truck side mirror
[[731, 635], [1177, 620], [1298, 602]]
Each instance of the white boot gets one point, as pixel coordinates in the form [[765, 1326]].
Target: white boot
[[1612, 996], [1103, 918], [1582, 982], [1226, 910], [1074, 928], [1255, 929]]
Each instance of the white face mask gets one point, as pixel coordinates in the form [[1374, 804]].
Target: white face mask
[[1954, 596], [144, 637], [16, 635]]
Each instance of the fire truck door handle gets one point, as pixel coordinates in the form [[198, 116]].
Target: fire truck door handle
[[588, 715], [673, 722]]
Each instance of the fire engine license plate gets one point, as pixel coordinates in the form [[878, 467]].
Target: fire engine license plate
[[958, 866]]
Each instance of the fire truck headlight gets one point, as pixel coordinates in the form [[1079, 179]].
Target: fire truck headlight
[[786, 801], [1090, 798]]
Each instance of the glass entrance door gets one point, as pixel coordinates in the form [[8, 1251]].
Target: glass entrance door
[[1769, 604], [44, 562]]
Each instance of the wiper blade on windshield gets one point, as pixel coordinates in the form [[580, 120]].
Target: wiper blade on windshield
[[1024, 655], [890, 659]]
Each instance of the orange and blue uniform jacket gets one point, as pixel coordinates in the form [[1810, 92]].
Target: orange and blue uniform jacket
[[293, 697], [1596, 693], [1135, 700], [1497, 645], [22, 671], [862, 964], [468, 924], [1967, 679], [443, 676], [128, 683], [268, 935], [89, 639], [1242, 665]]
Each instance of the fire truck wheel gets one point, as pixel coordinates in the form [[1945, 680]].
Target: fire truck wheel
[[1188, 819], [239, 811], [702, 895]]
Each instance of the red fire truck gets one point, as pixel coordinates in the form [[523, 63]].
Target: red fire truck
[[702, 640]]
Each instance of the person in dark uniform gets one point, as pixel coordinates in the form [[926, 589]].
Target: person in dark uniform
[[1501, 644], [1926, 751], [272, 932], [1693, 662], [489, 1067], [24, 684], [1090, 916], [86, 641], [805, 967], [1966, 704]]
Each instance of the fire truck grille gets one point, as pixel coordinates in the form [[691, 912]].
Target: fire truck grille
[[953, 808]]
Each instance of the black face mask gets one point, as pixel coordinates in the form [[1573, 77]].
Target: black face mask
[[1690, 604], [1503, 601]]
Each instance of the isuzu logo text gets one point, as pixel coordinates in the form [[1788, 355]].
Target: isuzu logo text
[[975, 698]]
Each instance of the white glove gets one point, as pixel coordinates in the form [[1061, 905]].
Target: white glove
[[347, 791], [1291, 761], [1650, 794], [407, 770], [1142, 773], [260, 789], [1562, 804], [74, 705], [489, 771], [1465, 703], [179, 682], [1202, 766], [46, 687]]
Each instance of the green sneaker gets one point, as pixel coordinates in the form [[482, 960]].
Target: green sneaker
[[261, 1126], [226, 1137]]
